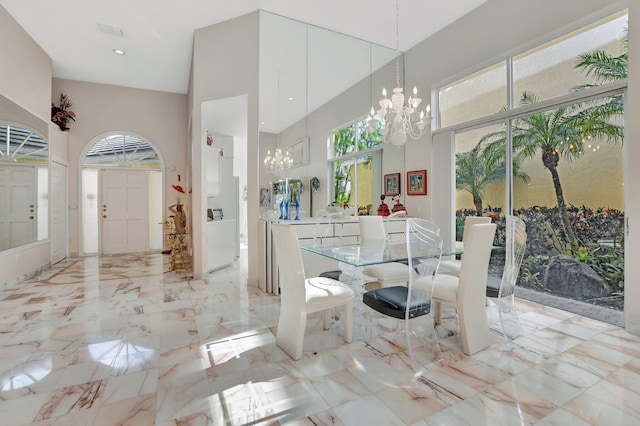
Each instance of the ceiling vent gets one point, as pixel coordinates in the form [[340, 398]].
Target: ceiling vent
[[112, 31]]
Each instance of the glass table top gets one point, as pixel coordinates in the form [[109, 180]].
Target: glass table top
[[370, 253]]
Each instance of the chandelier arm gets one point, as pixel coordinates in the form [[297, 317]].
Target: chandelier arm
[[398, 120]]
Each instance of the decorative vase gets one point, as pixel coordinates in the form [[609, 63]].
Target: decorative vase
[[286, 209], [297, 209], [281, 209]]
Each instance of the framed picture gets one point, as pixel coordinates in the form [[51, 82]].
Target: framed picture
[[392, 184], [417, 182], [265, 197]]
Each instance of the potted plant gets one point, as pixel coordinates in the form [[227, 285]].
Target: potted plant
[[61, 114]]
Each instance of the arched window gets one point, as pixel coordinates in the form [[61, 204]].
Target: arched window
[[122, 150]]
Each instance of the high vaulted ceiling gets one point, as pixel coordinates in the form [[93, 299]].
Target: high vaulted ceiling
[[157, 35]]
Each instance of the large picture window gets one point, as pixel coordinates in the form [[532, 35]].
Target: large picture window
[[559, 166]]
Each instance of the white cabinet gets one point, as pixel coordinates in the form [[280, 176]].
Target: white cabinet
[[219, 172], [346, 232], [213, 181], [220, 242]]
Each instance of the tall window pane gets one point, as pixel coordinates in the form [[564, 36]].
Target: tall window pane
[[553, 69], [477, 95], [481, 185], [343, 178], [90, 211], [574, 203], [356, 178]]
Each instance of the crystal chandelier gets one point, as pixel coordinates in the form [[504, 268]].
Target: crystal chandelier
[[278, 161], [398, 120]]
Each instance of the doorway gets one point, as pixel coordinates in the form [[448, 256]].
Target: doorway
[[123, 211], [121, 196]]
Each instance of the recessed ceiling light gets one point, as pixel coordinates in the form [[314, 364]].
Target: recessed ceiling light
[[118, 52], [291, 98]]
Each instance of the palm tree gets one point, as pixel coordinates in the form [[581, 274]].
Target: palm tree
[[473, 174], [552, 133], [605, 68]]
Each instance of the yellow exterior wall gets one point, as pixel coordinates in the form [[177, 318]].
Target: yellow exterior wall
[[595, 180]]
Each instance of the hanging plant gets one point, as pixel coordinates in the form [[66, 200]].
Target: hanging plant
[[61, 114]]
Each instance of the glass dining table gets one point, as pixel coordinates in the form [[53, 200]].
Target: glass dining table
[[373, 252]]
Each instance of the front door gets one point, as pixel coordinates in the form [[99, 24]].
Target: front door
[[123, 211], [18, 196]]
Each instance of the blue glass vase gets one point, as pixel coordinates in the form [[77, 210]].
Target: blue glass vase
[[286, 209], [297, 209], [281, 209]]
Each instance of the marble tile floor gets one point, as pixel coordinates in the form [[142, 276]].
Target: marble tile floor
[[118, 340]]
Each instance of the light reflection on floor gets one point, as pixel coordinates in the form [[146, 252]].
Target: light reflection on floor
[[119, 340]]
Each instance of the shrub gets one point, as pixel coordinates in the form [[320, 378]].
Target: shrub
[[600, 233]]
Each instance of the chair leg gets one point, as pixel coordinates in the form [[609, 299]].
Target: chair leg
[[422, 343], [474, 328], [348, 321], [290, 335], [509, 320], [437, 312]]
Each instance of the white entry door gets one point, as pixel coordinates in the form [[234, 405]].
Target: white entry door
[[123, 211], [59, 212], [18, 197]]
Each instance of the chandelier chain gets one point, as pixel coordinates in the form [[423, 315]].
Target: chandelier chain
[[397, 120], [397, 45]]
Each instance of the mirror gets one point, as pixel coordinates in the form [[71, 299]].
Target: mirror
[[295, 193], [24, 177], [313, 81]]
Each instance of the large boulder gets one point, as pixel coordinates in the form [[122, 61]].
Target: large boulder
[[570, 278]]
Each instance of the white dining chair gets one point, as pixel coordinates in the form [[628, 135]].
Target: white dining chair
[[412, 303], [300, 296], [329, 229], [467, 292], [452, 266], [502, 293], [391, 273]]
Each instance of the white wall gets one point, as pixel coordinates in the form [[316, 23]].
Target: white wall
[[225, 64], [28, 84], [27, 81], [159, 117]]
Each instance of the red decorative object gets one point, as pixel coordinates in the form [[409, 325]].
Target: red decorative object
[[383, 209], [417, 182], [178, 187], [398, 206]]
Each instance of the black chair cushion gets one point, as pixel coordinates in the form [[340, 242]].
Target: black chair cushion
[[493, 287], [392, 301], [334, 275]]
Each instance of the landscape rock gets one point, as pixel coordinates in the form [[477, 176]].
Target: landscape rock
[[571, 278]]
